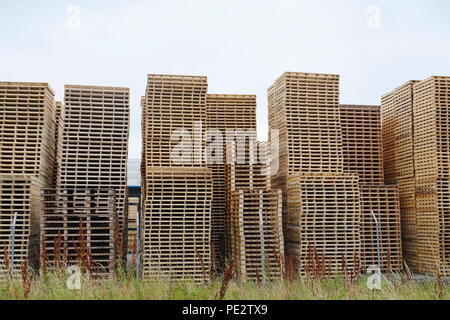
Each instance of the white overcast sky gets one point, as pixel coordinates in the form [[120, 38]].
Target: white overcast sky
[[242, 46]]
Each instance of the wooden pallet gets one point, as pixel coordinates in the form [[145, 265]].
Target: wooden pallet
[[225, 113], [144, 151], [388, 137], [59, 128], [304, 118], [95, 142], [398, 133], [431, 122], [72, 219], [176, 221], [173, 103], [19, 194], [361, 140], [133, 205], [431, 109], [27, 133], [384, 202], [433, 228], [323, 213], [244, 176], [245, 206], [305, 110]]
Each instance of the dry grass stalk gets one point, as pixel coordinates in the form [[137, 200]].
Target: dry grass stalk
[[226, 280], [202, 264], [27, 278], [7, 264]]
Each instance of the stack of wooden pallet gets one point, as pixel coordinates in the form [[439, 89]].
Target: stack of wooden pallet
[[324, 213], [80, 223], [174, 105], [226, 115], [431, 107], [27, 152], [59, 128], [398, 158], [383, 201], [304, 109], [176, 183], [176, 223], [321, 202], [248, 246], [361, 141], [133, 205], [95, 145], [249, 195], [361, 136]]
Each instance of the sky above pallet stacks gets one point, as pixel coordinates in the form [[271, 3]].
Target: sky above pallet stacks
[[242, 46]]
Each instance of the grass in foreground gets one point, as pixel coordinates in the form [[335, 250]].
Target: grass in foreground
[[53, 286]]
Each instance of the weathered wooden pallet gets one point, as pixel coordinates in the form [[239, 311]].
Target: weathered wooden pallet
[[225, 113], [95, 142], [244, 176], [27, 134], [176, 221], [19, 194], [323, 213], [133, 205], [174, 104], [398, 133], [74, 219], [384, 202], [431, 109], [305, 110], [246, 242], [361, 140], [59, 127], [431, 122]]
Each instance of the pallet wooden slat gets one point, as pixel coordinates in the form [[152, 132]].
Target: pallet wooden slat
[[94, 149]]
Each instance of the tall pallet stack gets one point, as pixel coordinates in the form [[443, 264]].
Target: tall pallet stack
[[78, 223], [27, 155], [361, 141], [249, 194], [361, 136], [321, 207], [176, 183], [398, 157], [94, 149], [227, 115], [324, 214], [431, 109]]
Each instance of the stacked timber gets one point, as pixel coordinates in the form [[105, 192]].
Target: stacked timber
[[431, 109], [77, 224], [324, 213], [256, 249], [176, 225], [361, 136], [252, 247], [398, 159], [94, 156], [27, 156], [176, 183], [133, 205], [227, 116], [361, 142], [383, 202], [59, 128], [321, 201]]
